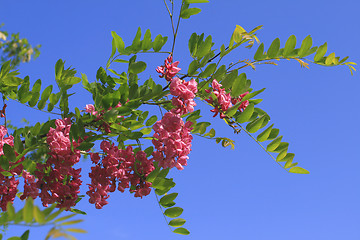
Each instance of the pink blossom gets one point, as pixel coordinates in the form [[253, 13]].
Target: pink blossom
[[169, 69], [8, 184], [172, 141], [223, 100], [118, 167]]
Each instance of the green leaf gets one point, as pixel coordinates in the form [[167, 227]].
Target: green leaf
[[25, 235], [265, 134], [10, 211], [259, 55], [137, 67], [74, 210], [281, 155], [320, 53], [299, 170], [274, 144], [151, 120], [182, 231], [9, 153], [71, 222], [28, 210], [136, 44], [54, 215], [282, 146], [76, 230], [119, 43], [173, 212], [159, 42], [59, 67], [274, 48], [151, 177], [196, 1], [14, 238], [35, 92], [255, 125], [233, 109], [289, 45], [194, 65], [65, 217], [274, 133], [330, 58], [177, 222], [288, 157], [168, 198], [229, 79], [305, 46], [38, 215], [187, 13], [246, 114], [210, 69], [84, 146], [253, 94], [204, 48], [239, 85], [146, 43], [220, 73]]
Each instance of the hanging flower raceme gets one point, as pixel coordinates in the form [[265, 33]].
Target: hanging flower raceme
[[8, 184], [172, 141], [169, 69], [224, 100], [118, 168], [184, 94], [57, 180]]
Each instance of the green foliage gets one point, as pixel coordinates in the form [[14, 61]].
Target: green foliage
[[31, 215], [119, 97]]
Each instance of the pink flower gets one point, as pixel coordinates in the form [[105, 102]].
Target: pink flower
[[118, 167], [172, 141], [169, 69], [8, 184], [244, 104]]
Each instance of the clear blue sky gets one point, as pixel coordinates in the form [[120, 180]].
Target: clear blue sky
[[239, 194]]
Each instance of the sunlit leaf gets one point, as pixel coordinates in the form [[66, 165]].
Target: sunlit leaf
[[299, 170], [182, 231], [173, 212]]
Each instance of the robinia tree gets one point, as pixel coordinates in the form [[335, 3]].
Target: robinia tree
[[144, 127]]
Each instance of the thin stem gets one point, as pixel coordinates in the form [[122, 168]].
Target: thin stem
[[162, 211], [170, 15], [39, 109], [242, 128], [177, 28]]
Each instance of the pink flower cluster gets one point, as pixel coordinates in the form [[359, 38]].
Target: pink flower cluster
[[169, 69], [57, 180], [223, 100], [99, 116], [8, 184], [184, 94], [118, 167], [172, 141]]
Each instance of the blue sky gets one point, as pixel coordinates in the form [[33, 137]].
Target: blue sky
[[226, 194]]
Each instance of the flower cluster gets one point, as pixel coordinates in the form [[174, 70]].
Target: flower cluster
[[57, 180], [224, 100], [172, 141], [169, 69], [184, 94], [118, 167], [8, 184]]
